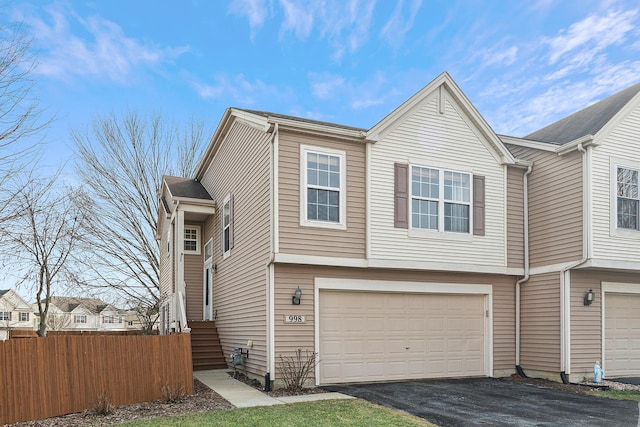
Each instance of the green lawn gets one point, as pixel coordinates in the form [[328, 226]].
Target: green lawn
[[329, 413], [619, 394]]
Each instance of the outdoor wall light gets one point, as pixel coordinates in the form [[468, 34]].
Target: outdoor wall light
[[588, 297], [295, 299]]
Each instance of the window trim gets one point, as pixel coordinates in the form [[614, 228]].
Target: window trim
[[614, 181], [22, 314], [77, 317], [184, 239], [225, 202], [5, 316], [305, 150], [614, 230], [440, 231]]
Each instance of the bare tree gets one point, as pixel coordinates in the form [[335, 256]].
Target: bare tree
[[58, 321], [20, 114], [38, 242], [121, 163]]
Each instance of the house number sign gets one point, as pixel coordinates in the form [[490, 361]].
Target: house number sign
[[294, 318]]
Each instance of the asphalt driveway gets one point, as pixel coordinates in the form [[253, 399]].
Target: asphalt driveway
[[495, 402]]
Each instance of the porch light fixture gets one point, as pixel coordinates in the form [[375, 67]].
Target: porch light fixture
[[295, 299], [588, 297]]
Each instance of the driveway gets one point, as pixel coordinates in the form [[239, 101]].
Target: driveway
[[495, 402]]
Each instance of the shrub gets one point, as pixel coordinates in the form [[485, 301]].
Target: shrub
[[173, 394], [297, 369], [103, 406]]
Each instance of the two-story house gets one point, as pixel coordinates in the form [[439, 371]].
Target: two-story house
[[393, 252], [580, 300], [83, 314], [15, 313]]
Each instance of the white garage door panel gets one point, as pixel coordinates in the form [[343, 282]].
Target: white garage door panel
[[622, 335], [376, 336]]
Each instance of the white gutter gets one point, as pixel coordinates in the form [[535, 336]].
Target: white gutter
[[525, 208], [565, 274], [275, 248]]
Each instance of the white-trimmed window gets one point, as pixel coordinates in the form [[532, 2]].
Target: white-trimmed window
[[208, 250], [192, 239], [440, 200], [5, 315], [24, 316], [169, 241], [628, 198], [108, 319], [323, 190], [227, 225], [79, 318]]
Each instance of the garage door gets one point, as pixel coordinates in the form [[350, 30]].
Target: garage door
[[622, 335], [376, 336]]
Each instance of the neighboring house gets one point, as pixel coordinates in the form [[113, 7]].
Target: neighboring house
[[15, 313], [424, 247], [86, 314], [581, 302]]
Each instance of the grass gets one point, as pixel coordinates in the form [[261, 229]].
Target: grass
[[619, 394], [329, 413]]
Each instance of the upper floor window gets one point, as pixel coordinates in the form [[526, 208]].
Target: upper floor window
[[79, 318], [24, 316], [628, 198], [5, 315], [323, 190], [192, 239], [108, 319], [440, 199]]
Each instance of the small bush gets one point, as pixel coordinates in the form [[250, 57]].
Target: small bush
[[103, 406], [173, 394], [297, 369]]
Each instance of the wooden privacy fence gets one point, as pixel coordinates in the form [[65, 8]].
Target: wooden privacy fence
[[45, 377]]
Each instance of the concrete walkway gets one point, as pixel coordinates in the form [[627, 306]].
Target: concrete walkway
[[242, 395]]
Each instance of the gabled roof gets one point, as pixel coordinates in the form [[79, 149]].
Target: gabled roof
[[588, 121], [267, 114], [3, 291], [186, 188], [68, 304], [397, 116]]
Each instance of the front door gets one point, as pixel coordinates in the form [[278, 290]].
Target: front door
[[208, 291]]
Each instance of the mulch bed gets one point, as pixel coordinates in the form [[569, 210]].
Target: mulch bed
[[274, 393], [203, 399]]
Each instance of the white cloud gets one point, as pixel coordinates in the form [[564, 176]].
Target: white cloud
[[500, 56], [255, 10], [237, 88], [398, 26], [107, 54], [326, 86], [297, 18], [593, 32]]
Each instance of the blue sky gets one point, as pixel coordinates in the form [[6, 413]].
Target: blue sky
[[522, 64]]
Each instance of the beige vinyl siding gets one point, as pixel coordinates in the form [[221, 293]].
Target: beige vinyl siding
[[586, 321], [444, 141], [193, 278], [515, 218], [290, 337], [540, 323], [241, 167], [166, 262], [621, 146], [555, 206], [304, 240]]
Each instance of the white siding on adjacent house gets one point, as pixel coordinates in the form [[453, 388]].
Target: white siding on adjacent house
[[621, 146], [428, 138]]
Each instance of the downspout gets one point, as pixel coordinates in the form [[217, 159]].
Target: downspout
[[271, 266], [525, 208], [565, 279]]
